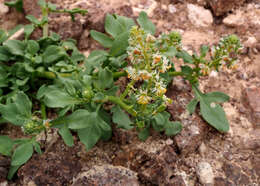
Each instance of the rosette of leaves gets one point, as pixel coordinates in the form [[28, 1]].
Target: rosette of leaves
[[18, 112], [23, 63]]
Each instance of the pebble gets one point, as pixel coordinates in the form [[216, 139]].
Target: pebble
[[205, 173], [250, 42], [199, 16], [172, 9], [202, 149]]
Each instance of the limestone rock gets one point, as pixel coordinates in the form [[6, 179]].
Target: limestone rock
[[205, 173], [199, 16]]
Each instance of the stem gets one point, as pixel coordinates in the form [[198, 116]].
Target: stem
[[119, 74], [124, 106], [127, 89], [51, 75], [175, 73], [46, 25], [43, 111]]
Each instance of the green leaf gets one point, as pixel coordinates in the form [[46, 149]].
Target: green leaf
[[32, 47], [28, 30], [97, 56], [105, 128], [79, 119], [59, 99], [125, 22], [145, 23], [121, 118], [171, 52], [37, 147], [66, 135], [23, 104], [4, 54], [3, 36], [212, 112], [22, 154], [203, 50], [12, 171], [187, 58], [19, 112], [105, 79], [89, 136], [144, 134], [218, 97], [172, 128], [112, 26], [192, 105], [214, 115], [15, 47], [159, 119], [33, 20], [6, 145], [119, 44], [103, 39], [53, 53]]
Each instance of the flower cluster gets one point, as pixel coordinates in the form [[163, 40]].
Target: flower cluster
[[223, 56], [35, 126], [147, 65]]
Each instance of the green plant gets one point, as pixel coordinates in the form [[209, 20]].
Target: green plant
[[25, 66], [87, 98], [17, 4]]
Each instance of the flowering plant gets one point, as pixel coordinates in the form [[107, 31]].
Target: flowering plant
[[88, 98]]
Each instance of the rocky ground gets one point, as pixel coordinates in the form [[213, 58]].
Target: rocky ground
[[199, 155]]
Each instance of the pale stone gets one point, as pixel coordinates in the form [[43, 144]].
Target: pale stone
[[3, 9], [205, 173], [234, 20], [172, 9], [199, 16], [250, 42]]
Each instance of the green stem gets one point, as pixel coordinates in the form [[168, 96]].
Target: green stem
[[127, 89], [124, 106], [46, 25], [43, 111], [175, 73], [51, 75], [119, 74]]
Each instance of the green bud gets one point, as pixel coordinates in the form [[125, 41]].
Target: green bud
[[87, 93], [32, 127]]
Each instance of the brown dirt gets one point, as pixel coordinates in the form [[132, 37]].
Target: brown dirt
[[234, 157]]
